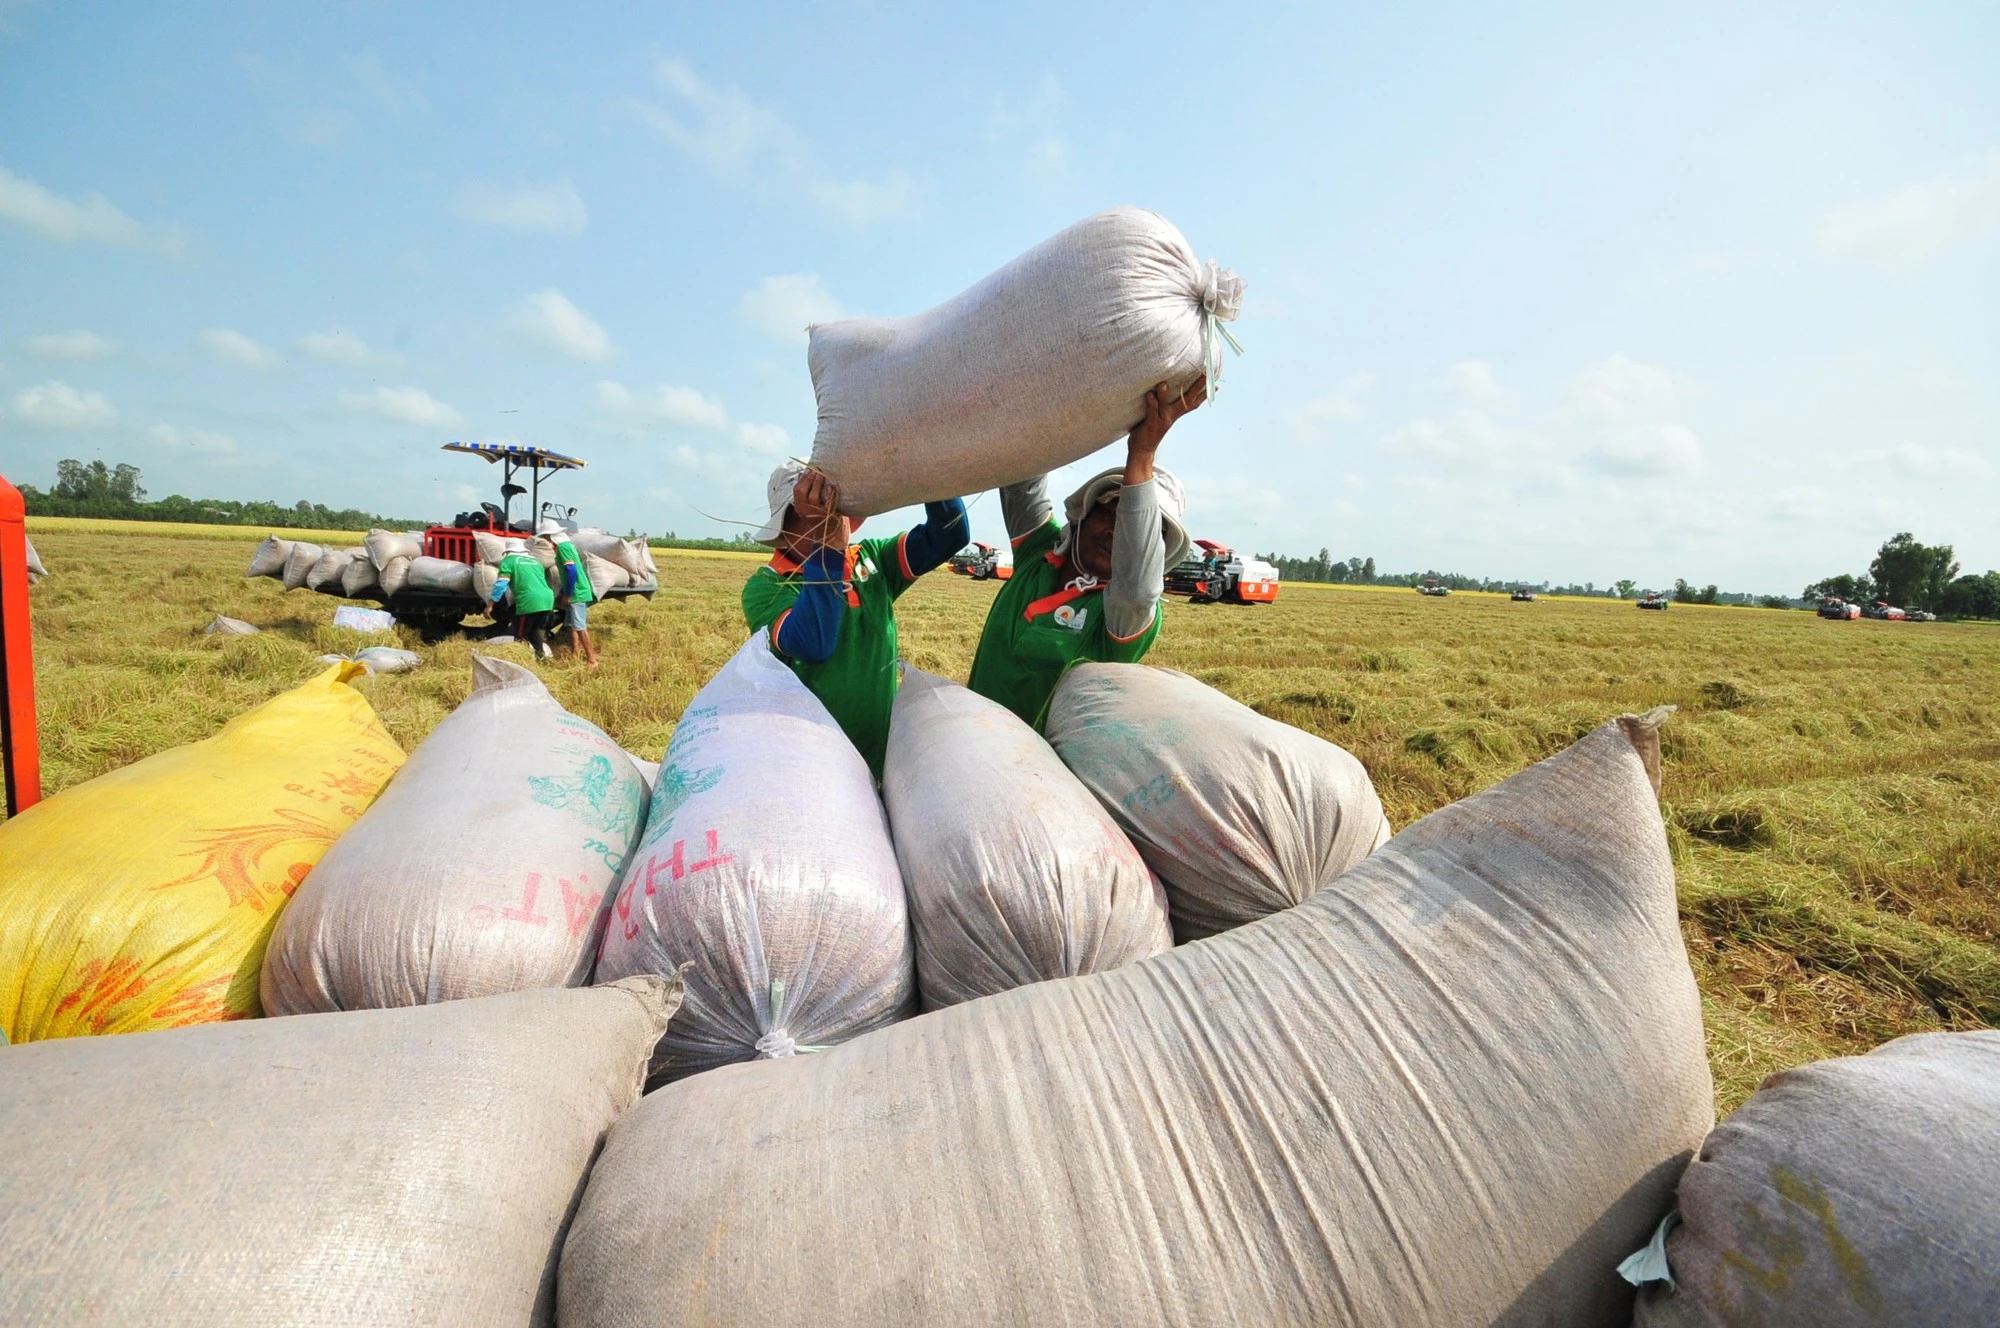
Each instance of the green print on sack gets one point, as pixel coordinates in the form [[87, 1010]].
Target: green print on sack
[[606, 803]]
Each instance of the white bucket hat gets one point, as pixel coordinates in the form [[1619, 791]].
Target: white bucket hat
[[1105, 486], [517, 546], [549, 526], [778, 493]]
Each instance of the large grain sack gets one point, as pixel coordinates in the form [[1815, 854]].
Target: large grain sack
[[386, 1166], [544, 551], [359, 578], [270, 557], [35, 569], [513, 897], [1040, 364], [395, 575], [485, 577], [224, 625], [766, 868], [590, 539], [327, 569], [385, 545], [143, 899], [299, 564], [442, 576], [1455, 1087], [1015, 874], [492, 548], [1240, 815], [604, 574], [1858, 1191]]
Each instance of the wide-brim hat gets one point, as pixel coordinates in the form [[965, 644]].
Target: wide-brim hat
[[1106, 485], [778, 494]]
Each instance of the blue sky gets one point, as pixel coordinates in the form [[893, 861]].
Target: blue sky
[[1546, 292]]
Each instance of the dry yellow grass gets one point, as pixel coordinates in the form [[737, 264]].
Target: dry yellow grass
[[1829, 786]]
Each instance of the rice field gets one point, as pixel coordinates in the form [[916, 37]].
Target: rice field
[[1829, 786]]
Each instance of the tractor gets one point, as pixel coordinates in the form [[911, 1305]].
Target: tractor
[[1522, 595], [1653, 599], [1838, 609], [1430, 585], [981, 562], [1215, 574]]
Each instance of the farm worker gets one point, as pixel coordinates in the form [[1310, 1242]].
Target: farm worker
[[831, 604], [577, 594], [521, 577], [1088, 589]]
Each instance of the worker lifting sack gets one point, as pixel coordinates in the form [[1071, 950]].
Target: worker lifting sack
[[1043, 362], [765, 872], [1239, 814], [1027, 879], [543, 810], [1454, 1087]]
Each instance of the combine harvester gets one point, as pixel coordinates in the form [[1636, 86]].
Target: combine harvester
[[981, 562], [438, 602], [1219, 575]]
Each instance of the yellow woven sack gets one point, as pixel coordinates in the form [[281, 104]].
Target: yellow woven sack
[[143, 899]]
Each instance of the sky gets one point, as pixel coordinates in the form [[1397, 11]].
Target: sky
[[1553, 292]]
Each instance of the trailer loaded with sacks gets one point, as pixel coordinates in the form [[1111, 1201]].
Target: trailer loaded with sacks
[[433, 579]]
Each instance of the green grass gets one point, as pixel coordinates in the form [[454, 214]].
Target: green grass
[[1829, 786]]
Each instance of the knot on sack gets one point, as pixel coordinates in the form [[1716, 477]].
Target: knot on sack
[[1220, 291], [776, 1045]]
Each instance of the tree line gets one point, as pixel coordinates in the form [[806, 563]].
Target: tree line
[[93, 489]]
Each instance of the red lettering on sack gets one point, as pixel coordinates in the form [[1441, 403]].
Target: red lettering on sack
[[579, 909], [526, 912]]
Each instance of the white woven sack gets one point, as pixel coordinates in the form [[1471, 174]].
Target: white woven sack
[[787, 911], [335, 1170], [1014, 876], [513, 897], [445, 576], [1239, 814], [1042, 363], [384, 545]]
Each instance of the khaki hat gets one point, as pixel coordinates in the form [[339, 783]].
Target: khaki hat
[[1106, 486], [778, 493]]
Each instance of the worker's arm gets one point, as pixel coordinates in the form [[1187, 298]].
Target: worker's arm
[[1026, 507], [1138, 562], [1138, 549], [809, 631], [943, 532]]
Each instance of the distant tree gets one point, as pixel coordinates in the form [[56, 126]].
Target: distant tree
[[1627, 587], [1911, 574], [1683, 592], [1708, 595], [1774, 602], [1972, 597], [1367, 569], [1840, 587]]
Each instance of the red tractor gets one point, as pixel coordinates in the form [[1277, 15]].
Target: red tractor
[[1214, 574], [981, 562]]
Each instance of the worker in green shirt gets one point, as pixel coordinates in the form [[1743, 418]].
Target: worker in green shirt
[[577, 594], [1089, 589], [522, 578], [831, 604]]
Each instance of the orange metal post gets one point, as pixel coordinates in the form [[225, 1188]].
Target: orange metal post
[[18, 742]]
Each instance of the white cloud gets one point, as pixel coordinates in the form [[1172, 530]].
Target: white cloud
[[865, 202], [783, 307], [741, 139], [231, 347], [1474, 381], [339, 346], [1917, 221], [201, 442], [1621, 415], [1033, 125], [1941, 464], [552, 209], [403, 405], [91, 219], [77, 345], [396, 95], [721, 127], [764, 439], [684, 407], [57, 405], [1343, 403], [548, 319]]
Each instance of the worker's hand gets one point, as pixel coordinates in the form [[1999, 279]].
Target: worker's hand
[[1165, 405], [816, 499]]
